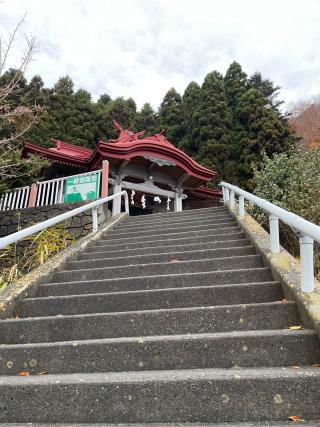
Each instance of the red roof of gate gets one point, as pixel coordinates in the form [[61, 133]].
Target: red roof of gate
[[152, 149]]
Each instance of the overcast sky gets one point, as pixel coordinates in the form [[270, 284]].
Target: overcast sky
[[141, 48]]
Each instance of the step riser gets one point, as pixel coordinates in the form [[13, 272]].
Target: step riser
[[195, 297], [168, 400], [227, 228], [127, 225], [162, 268], [161, 282], [197, 352], [146, 259], [172, 228], [105, 245], [163, 322], [195, 213], [97, 252]]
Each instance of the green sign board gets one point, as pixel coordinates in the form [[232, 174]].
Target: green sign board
[[82, 188]]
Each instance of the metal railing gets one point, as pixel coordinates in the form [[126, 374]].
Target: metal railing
[[307, 231], [15, 237], [49, 192], [15, 199]]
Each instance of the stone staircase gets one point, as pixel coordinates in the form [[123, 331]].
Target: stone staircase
[[170, 318]]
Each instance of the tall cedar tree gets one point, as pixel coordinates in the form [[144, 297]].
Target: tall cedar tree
[[123, 110], [146, 120], [171, 116], [214, 141], [190, 103]]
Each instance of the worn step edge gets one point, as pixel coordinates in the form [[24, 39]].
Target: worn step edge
[[156, 231], [173, 226], [215, 244], [210, 231], [170, 242], [191, 255], [150, 299], [237, 424], [165, 277], [193, 351], [128, 224], [188, 266], [185, 213], [250, 394], [270, 315]]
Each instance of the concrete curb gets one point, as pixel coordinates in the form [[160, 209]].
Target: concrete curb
[[28, 285], [285, 268]]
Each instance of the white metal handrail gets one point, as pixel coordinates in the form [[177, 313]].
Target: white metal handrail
[[15, 237], [307, 231]]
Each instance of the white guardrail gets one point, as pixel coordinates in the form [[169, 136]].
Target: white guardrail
[[49, 192], [15, 237], [15, 199], [307, 231]]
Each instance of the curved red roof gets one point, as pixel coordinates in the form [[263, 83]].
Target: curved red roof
[[127, 147]]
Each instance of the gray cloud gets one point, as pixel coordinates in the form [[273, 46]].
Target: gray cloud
[[141, 48]]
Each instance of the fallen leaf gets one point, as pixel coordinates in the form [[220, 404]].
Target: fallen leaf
[[23, 374], [316, 365], [295, 328], [295, 418]]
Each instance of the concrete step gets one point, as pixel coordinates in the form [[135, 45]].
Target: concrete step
[[173, 267], [198, 351], [199, 395], [163, 227], [150, 299], [96, 252], [212, 230], [128, 224], [273, 315], [195, 213], [218, 278], [158, 231], [259, 424], [153, 242], [162, 257], [247, 424]]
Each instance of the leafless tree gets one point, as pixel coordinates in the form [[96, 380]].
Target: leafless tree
[[17, 119]]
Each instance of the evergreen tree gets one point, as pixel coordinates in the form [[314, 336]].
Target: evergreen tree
[[214, 143], [124, 111], [145, 119], [266, 131], [190, 104], [171, 116]]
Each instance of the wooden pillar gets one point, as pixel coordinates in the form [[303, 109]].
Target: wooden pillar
[[104, 178], [178, 201], [33, 195], [116, 204]]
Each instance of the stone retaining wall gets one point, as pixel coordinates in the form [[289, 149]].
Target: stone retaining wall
[[12, 221]]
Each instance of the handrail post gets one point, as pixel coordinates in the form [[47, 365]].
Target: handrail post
[[232, 201], [241, 206], [94, 219], [274, 234], [306, 257]]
